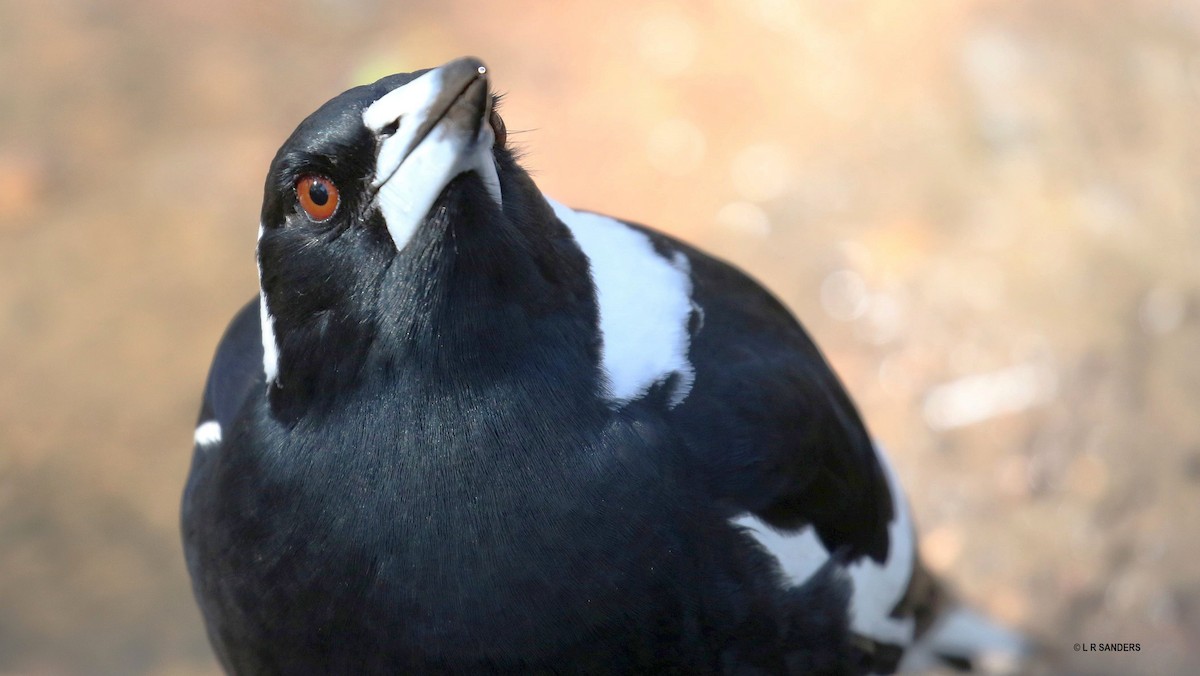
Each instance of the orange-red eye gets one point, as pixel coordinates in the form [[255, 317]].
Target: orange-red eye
[[318, 196]]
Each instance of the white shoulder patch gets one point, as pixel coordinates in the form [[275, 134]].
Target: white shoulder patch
[[877, 587], [207, 433], [644, 302]]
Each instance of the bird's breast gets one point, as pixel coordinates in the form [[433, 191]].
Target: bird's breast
[[452, 526]]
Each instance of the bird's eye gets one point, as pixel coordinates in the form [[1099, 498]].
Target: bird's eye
[[498, 128], [318, 196]]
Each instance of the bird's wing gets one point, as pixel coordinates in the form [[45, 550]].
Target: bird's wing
[[237, 368], [774, 429]]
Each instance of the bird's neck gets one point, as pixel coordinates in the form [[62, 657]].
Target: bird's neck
[[465, 306]]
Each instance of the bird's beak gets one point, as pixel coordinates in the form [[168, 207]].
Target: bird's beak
[[431, 130]]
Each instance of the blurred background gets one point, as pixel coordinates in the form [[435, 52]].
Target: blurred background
[[987, 213]]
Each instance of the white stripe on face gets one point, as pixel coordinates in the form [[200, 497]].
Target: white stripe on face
[[645, 304], [408, 186], [207, 433], [877, 587], [270, 345]]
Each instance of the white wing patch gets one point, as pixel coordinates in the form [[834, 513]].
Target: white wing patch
[[645, 304], [877, 587], [991, 648], [207, 433], [408, 186]]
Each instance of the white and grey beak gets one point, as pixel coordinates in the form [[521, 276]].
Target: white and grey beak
[[431, 129]]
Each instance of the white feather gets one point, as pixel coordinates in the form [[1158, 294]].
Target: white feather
[[962, 632], [645, 304], [267, 323], [207, 433], [877, 587]]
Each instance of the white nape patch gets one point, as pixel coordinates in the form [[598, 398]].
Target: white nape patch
[[877, 588], [408, 186], [645, 304], [207, 433], [270, 346]]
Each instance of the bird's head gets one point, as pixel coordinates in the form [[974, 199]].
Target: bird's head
[[392, 207]]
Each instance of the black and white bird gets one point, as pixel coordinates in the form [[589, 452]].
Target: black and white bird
[[467, 429]]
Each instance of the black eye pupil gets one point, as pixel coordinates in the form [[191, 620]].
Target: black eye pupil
[[318, 193]]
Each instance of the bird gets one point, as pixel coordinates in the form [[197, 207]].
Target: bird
[[464, 428]]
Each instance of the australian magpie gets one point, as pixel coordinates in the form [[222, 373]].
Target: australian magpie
[[467, 429]]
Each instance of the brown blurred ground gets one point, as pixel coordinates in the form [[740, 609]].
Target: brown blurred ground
[[941, 190]]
